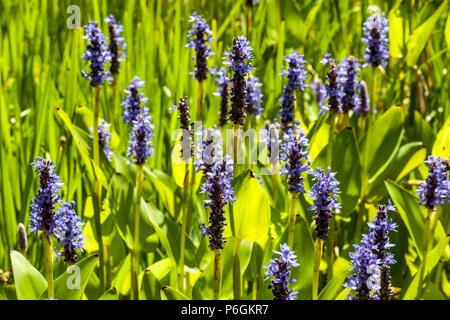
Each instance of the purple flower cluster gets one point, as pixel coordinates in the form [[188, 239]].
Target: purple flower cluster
[[364, 100], [325, 203], [185, 121], [435, 191], [296, 76], [220, 193], [239, 62], [69, 234], [271, 139], [376, 39], [222, 84], [42, 214], [332, 87], [116, 41], [104, 137], [280, 270], [62, 222], [97, 53], [254, 96], [140, 146], [209, 150], [371, 260], [132, 102], [199, 37], [349, 83], [294, 154], [378, 236]]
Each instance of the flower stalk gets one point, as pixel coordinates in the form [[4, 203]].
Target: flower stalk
[[137, 249], [48, 262]]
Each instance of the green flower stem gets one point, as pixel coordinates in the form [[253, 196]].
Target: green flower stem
[[275, 187], [217, 272], [317, 259], [48, 262], [98, 189], [136, 252], [365, 173], [236, 270], [291, 226], [330, 242], [430, 225], [185, 204]]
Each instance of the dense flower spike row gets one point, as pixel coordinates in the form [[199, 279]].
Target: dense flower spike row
[[209, 149], [140, 146], [199, 37], [254, 96], [325, 204], [371, 260], [378, 236], [296, 76], [69, 234], [97, 54], [116, 42], [132, 102], [435, 191], [42, 214], [295, 159], [349, 83], [280, 270], [220, 193], [104, 137], [239, 63], [376, 39], [223, 88], [332, 87], [62, 222]]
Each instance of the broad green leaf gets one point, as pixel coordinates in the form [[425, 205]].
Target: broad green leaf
[[433, 259], [172, 294], [70, 285], [421, 34], [150, 288], [447, 31], [413, 214], [385, 137], [111, 294], [441, 147], [251, 210], [122, 278], [334, 287], [30, 283]]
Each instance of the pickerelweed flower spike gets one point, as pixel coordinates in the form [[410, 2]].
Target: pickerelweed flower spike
[[198, 38], [132, 102], [294, 155], [435, 191], [239, 62], [332, 87], [104, 137], [69, 234], [254, 96], [296, 76], [280, 270], [325, 203], [366, 278], [42, 214], [97, 53], [349, 82], [364, 98], [377, 41], [185, 125], [269, 135], [251, 3], [116, 41], [378, 235], [209, 150], [220, 193], [223, 88], [140, 146]]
